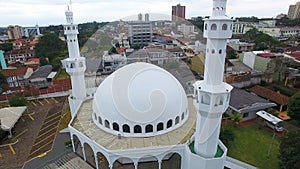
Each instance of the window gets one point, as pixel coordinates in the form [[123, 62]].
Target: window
[[149, 128], [95, 116], [213, 51], [126, 128], [137, 129], [100, 120], [205, 27], [213, 27], [116, 126], [220, 51], [182, 116], [177, 120], [224, 27], [160, 126], [80, 64], [106, 123], [169, 123], [245, 115]]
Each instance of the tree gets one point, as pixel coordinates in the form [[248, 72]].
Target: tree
[[16, 101], [231, 54], [294, 107], [289, 151], [50, 46], [236, 118], [6, 47]]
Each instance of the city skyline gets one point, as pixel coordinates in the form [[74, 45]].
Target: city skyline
[[43, 13]]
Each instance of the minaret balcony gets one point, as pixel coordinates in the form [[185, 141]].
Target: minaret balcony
[[218, 28], [211, 99]]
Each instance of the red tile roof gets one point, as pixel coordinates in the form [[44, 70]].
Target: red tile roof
[[295, 55], [270, 95], [14, 72], [121, 50], [266, 55], [36, 60]]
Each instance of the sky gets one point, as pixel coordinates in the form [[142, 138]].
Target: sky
[[51, 12]]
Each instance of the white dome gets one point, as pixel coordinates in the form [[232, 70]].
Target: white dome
[[139, 100]]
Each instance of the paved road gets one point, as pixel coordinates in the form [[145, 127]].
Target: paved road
[[58, 150]]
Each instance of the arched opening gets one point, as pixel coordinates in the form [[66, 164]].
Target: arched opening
[[220, 51], [89, 155], [205, 27], [213, 27], [95, 116], [100, 120], [160, 126], [169, 123], [77, 146], [148, 162], [123, 163], [213, 51], [219, 101], [102, 161], [182, 116], [149, 128], [106, 123], [205, 99], [116, 126], [224, 27], [126, 128], [177, 120], [137, 129], [172, 160]]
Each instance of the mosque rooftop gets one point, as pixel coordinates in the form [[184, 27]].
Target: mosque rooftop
[[83, 122]]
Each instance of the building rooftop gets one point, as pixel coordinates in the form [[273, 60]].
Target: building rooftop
[[83, 123], [14, 72], [270, 95]]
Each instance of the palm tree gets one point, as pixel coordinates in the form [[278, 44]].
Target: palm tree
[[236, 118]]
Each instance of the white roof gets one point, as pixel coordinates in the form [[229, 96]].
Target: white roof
[[51, 75], [140, 93], [269, 117], [10, 115]]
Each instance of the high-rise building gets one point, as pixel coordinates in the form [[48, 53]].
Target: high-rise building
[[15, 32], [140, 32], [32, 31], [178, 12], [294, 11]]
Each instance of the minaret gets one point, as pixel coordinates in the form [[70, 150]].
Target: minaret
[[212, 94], [75, 65]]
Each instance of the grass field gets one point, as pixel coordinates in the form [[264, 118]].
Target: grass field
[[251, 145]]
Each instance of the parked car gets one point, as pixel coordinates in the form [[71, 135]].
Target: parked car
[[275, 127]]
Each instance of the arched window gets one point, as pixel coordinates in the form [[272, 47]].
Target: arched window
[[95, 116], [220, 51], [182, 116], [205, 27], [100, 120], [126, 128], [149, 128], [213, 51], [72, 65], [160, 126], [169, 123], [115, 126], [106, 123], [205, 99], [177, 120], [137, 129], [213, 27], [224, 27]]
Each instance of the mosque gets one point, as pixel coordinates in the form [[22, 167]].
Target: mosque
[[141, 114]]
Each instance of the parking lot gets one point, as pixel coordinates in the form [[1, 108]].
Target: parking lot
[[34, 132]]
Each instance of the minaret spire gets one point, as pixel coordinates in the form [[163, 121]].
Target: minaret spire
[[75, 65], [212, 94]]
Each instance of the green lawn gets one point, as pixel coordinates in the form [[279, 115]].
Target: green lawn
[[251, 144]]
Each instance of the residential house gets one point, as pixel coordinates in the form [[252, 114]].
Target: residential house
[[276, 97], [247, 104], [17, 77]]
